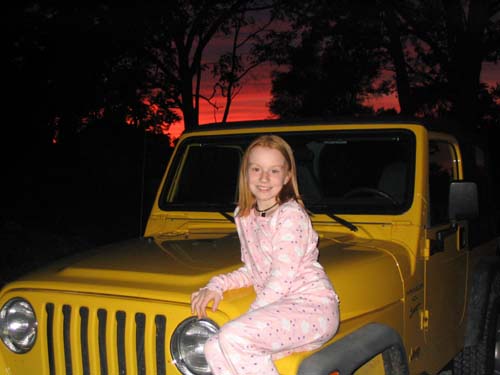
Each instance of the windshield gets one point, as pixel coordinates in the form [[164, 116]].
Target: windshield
[[352, 172]]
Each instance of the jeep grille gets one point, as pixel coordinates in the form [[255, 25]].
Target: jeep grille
[[97, 340]]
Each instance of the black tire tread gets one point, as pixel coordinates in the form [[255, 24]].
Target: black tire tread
[[478, 359]]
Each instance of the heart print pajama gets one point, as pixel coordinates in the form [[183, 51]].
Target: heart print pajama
[[296, 308]]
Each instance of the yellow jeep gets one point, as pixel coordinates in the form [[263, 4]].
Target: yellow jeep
[[408, 237]]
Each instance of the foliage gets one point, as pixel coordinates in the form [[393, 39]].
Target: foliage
[[244, 55], [329, 72], [71, 65], [445, 44], [334, 61], [429, 52], [180, 33], [489, 106], [71, 59]]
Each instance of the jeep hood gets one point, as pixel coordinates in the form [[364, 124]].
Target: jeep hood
[[171, 268]]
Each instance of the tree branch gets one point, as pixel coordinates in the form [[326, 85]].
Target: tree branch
[[255, 33]]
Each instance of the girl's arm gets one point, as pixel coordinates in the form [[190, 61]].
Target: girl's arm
[[215, 288], [232, 280], [290, 243], [201, 299], [237, 279]]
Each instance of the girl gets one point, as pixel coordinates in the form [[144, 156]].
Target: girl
[[296, 308]]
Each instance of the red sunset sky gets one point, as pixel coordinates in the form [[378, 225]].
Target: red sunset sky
[[252, 101]]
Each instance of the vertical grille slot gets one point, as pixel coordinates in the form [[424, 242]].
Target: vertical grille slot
[[103, 360], [140, 325], [84, 339], [160, 323], [120, 341], [49, 308], [79, 339], [66, 339]]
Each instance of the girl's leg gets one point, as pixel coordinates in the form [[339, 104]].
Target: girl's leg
[[231, 352], [215, 358], [247, 345]]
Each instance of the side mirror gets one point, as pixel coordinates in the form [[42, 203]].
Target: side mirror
[[463, 201]]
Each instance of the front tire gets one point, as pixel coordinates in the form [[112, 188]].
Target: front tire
[[483, 358]]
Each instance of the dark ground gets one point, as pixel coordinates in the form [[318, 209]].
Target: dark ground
[[57, 200], [28, 245], [28, 242]]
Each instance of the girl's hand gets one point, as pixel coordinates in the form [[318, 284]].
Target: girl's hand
[[200, 300]]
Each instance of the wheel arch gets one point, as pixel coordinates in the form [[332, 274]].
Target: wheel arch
[[357, 348]]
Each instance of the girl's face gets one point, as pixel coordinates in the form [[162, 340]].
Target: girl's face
[[267, 174]]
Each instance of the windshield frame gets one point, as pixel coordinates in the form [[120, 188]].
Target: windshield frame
[[318, 208]]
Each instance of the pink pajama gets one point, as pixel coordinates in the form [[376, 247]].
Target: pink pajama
[[296, 308]]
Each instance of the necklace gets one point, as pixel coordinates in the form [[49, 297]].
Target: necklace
[[262, 213]]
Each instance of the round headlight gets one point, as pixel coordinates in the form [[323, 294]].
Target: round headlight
[[187, 345], [18, 325]]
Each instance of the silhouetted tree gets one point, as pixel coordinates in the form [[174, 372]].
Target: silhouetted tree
[[489, 107], [396, 50], [334, 61], [178, 45], [449, 41], [236, 64], [434, 49], [71, 65]]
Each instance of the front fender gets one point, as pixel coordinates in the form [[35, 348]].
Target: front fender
[[354, 350], [3, 365]]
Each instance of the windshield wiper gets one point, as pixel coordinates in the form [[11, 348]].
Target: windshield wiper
[[343, 222], [227, 216]]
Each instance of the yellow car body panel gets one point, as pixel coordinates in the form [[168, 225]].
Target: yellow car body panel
[[121, 303]]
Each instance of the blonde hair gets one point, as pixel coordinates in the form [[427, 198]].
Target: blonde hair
[[290, 190]]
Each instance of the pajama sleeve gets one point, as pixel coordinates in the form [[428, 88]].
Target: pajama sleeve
[[290, 243], [232, 280]]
